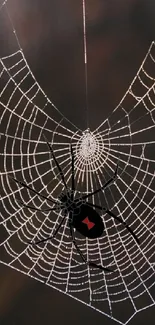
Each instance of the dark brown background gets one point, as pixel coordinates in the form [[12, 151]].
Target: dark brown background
[[119, 33]]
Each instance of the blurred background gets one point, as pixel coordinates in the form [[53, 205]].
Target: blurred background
[[119, 34]]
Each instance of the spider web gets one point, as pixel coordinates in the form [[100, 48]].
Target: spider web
[[127, 136]]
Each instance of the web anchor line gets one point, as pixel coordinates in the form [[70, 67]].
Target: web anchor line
[[85, 63]]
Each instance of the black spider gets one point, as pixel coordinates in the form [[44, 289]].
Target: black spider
[[81, 215]]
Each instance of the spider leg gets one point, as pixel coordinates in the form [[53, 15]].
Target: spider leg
[[111, 214], [102, 187], [56, 162], [33, 208], [81, 254], [32, 190], [73, 182], [51, 237]]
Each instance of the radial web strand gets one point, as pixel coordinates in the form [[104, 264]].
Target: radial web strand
[[126, 137]]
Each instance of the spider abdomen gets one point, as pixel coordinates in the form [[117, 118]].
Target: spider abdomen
[[88, 222]]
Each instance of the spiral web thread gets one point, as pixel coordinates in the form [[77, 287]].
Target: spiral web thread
[[127, 136]]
